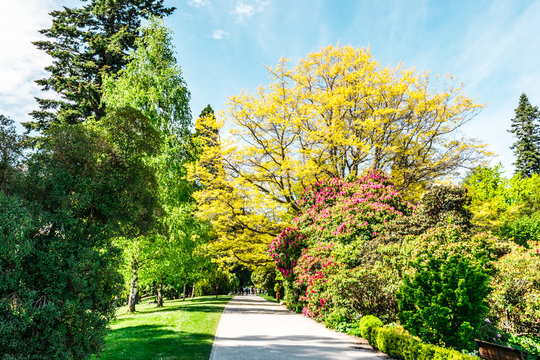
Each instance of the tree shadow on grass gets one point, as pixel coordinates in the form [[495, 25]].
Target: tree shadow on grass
[[156, 342], [192, 305]]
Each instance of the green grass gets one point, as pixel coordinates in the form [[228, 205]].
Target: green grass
[[178, 330], [266, 297]]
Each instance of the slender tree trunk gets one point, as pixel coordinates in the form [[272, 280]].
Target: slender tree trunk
[[159, 299], [217, 286], [193, 291], [133, 288]]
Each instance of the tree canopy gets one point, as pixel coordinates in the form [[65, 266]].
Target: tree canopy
[[337, 113], [86, 43]]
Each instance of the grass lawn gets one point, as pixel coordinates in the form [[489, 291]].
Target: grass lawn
[[178, 330], [266, 297]]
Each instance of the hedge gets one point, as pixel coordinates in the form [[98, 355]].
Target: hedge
[[403, 346]]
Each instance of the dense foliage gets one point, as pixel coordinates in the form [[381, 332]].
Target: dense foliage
[[444, 302], [329, 260], [58, 268], [357, 249], [86, 43], [338, 112]]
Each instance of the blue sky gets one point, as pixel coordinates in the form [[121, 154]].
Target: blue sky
[[493, 47]]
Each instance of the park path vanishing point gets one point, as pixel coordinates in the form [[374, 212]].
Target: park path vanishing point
[[255, 329]]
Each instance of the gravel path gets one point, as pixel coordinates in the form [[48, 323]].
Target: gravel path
[[255, 329]]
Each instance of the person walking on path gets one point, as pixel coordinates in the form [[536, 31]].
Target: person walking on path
[[255, 329]]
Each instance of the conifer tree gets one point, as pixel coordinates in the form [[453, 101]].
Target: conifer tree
[[86, 43], [527, 132], [207, 134]]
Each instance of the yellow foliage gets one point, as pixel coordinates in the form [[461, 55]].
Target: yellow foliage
[[336, 113]]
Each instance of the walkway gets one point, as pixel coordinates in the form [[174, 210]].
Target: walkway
[[255, 329]]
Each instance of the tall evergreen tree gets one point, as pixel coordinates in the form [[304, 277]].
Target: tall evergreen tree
[[207, 135], [527, 132], [85, 43]]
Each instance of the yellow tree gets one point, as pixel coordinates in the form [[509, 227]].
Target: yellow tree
[[243, 226], [338, 112]]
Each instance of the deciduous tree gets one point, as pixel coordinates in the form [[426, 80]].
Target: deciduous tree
[[58, 268], [338, 112], [152, 83]]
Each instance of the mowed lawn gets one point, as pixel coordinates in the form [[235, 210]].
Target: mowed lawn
[[178, 330]]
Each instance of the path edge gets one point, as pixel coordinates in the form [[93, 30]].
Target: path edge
[[212, 352]]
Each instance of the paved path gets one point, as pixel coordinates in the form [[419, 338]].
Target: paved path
[[255, 329]]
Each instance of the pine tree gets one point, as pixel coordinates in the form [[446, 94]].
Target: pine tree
[[207, 133], [85, 43], [527, 145]]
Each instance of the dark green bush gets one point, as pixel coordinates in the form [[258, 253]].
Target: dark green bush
[[444, 302], [399, 344], [367, 324]]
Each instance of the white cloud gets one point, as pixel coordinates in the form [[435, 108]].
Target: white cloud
[[244, 10], [20, 61], [219, 34], [199, 3]]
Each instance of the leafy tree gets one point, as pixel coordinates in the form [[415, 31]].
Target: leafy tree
[[180, 258], [497, 200], [86, 43], [152, 83], [58, 267], [243, 228], [337, 113], [207, 134], [10, 148], [526, 129]]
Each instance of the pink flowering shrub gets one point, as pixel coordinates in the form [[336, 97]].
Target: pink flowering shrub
[[345, 211], [339, 217], [312, 271], [285, 250]]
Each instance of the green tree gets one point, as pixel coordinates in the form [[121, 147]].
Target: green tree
[[58, 267], [86, 43], [152, 83], [10, 148], [527, 132]]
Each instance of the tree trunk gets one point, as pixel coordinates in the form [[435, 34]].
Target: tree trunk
[[184, 292], [159, 299], [193, 291], [133, 288]]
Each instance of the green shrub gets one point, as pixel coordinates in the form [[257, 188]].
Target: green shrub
[[367, 324], [515, 300], [522, 230], [529, 345], [444, 301], [398, 343], [366, 289]]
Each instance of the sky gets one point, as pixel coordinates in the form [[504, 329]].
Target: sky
[[492, 47]]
